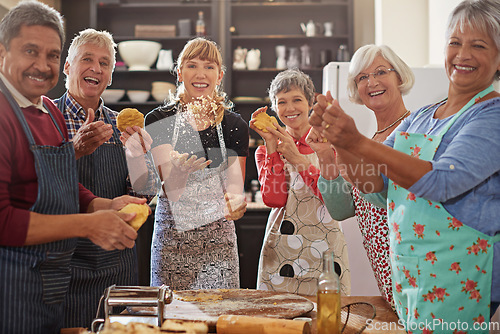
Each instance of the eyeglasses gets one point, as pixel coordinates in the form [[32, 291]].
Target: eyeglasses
[[364, 77]]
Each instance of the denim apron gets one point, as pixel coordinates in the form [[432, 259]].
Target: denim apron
[[442, 269], [93, 269], [36, 278]]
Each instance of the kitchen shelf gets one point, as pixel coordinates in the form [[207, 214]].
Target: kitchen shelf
[[289, 3], [182, 39], [270, 69], [120, 17], [267, 34], [128, 103], [154, 5], [244, 37]]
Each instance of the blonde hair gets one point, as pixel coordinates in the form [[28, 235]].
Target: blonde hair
[[365, 56], [203, 49]]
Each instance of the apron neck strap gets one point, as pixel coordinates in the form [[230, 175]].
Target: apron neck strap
[[471, 102], [22, 120]]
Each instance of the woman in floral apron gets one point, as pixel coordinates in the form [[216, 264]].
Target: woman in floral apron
[[299, 228], [200, 149], [443, 194]]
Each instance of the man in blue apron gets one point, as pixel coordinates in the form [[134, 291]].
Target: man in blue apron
[[102, 168], [41, 202]]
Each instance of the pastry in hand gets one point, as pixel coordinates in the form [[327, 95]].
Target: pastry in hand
[[263, 121], [129, 117], [142, 213]]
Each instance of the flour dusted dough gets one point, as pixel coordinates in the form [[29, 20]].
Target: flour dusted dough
[[142, 211], [129, 117], [263, 121]]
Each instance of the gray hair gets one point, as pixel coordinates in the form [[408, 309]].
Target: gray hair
[[288, 80], [91, 36], [101, 39], [30, 13], [365, 56], [483, 15]]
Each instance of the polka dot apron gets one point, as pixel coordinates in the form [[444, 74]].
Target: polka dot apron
[[296, 237]]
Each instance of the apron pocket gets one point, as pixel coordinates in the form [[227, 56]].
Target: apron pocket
[[405, 284], [56, 275]]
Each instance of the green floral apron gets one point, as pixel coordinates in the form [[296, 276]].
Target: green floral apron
[[442, 269]]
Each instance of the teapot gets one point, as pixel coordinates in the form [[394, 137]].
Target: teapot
[[239, 57], [328, 31], [253, 59], [311, 28], [280, 60], [165, 60]]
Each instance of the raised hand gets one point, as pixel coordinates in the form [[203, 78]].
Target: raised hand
[[136, 141], [91, 135]]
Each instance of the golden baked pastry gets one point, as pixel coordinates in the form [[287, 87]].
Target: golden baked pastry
[[142, 211], [263, 120], [184, 326], [129, 117]]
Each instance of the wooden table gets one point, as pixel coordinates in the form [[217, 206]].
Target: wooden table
[[386, 321]]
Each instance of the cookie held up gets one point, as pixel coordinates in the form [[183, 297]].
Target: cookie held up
[[129, 117]]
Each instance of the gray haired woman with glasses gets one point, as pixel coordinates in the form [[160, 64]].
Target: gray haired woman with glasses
[[378, 78]]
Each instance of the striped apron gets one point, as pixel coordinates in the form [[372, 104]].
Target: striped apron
[[93, 269], [34, 279]]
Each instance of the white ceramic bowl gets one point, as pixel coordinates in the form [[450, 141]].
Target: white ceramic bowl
[[138, 96], [162, 85], [161, 96], [139, 55], [161, 90], [112, 95]]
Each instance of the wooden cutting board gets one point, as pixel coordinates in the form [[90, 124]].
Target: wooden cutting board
[[208, 305]]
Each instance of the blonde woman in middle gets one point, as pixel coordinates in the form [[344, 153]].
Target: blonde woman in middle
[[299, 228]]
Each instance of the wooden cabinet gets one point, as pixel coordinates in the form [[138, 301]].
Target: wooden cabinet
[[267, 24], [250, 231], [250, 24], [120, 17], [231, 23], [262, 25]]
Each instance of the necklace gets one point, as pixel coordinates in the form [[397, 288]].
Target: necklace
[[390, 126]]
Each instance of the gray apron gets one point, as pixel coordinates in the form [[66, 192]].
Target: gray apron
[[194, 246], [35, 278], [93, 269]]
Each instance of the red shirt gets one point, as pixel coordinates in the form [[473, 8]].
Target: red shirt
[[18, 179], [274, 188]]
